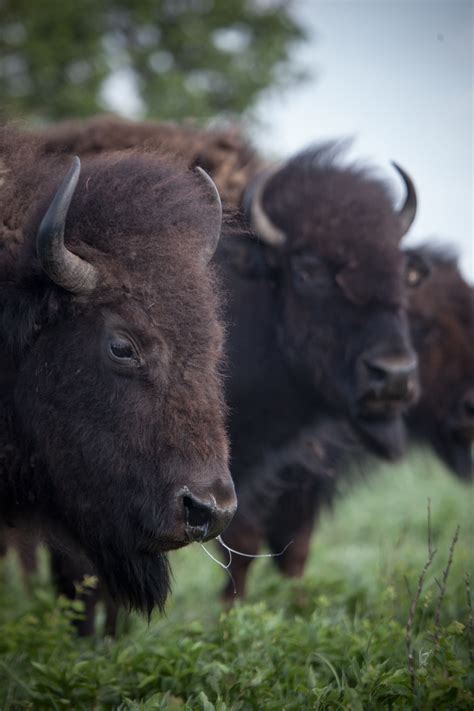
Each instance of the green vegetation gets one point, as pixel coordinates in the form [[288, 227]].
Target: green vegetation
[[183, 58], [334, 640]]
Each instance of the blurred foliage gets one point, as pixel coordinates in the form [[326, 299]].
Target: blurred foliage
[[184, 57]]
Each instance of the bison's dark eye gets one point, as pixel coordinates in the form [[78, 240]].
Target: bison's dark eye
[[416, 270], [121, 350], [309, 272]]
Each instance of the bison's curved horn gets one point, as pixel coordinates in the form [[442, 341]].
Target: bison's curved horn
[[408, 211], [214, 237], [62, 266], [259, 220]]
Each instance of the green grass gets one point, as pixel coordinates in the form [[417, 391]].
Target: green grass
[[333, 640]]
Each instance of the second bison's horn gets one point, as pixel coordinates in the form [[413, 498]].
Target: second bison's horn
[[62, 266], [216, 231], [260, 222], [408, 211]]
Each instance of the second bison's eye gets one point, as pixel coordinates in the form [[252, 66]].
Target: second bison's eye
[[121, 350], [413, 277], [417, 270], [308, 272]]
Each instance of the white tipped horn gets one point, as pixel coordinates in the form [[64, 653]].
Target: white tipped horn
[[260, 222]]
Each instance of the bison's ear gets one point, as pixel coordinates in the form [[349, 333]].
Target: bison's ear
[[245, 257], [26, 310]]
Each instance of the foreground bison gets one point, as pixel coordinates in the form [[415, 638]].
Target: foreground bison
[[111, 411], [441, 310], [315, 298]]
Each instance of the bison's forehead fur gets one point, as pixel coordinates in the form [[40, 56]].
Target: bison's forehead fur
[[125, 203], [342, 214]]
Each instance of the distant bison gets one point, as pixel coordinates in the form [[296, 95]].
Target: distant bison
[[319, 331], [316, 298], [111, 412], [441, 311]]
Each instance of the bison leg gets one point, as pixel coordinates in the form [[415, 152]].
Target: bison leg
[[3, 543], [246, 538], [292, 561], [26, 548], [290, 530], [68, 576], [111, 617]]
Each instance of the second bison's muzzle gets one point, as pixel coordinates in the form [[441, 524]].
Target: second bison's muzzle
[[387, 381]]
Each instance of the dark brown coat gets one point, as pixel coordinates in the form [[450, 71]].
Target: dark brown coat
[[111, 410]]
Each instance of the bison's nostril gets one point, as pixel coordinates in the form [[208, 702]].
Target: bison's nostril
[[392, 376], [391, 367], [204, 519], [387, 379], [198, 514], [376, 372]]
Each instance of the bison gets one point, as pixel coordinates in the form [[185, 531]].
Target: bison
[[315, 304], [441, 312], [111, 408], [441, 315]]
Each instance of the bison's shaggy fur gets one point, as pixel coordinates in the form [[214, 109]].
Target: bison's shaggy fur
[[94, 451], [441, 312], [224, 153]]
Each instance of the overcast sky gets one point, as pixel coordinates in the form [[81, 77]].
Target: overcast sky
[[397, 74]]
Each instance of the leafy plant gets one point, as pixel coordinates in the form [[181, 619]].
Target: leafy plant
[[171, 58], [336, 639]]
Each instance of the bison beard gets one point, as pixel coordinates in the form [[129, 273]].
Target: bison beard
[[138, 582]]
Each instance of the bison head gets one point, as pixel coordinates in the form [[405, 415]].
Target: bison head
[[110, 317], [441, 313], [332, 237]]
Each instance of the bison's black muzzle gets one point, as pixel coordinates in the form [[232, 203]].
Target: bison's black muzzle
[[387, 382], [204, 519]]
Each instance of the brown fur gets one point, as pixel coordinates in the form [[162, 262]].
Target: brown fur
[[224, 153], [98, 453], [441, 311]]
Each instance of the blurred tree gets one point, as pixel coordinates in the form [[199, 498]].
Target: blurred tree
[[165, 58]]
